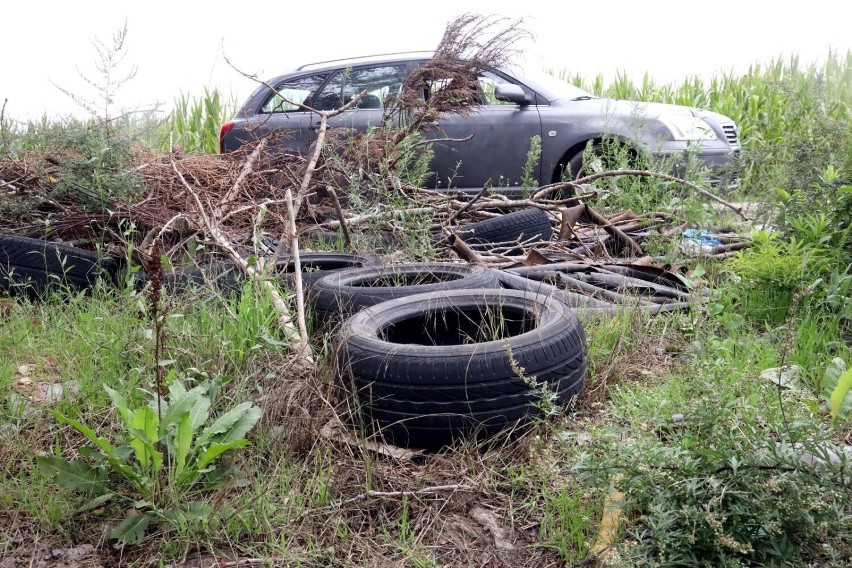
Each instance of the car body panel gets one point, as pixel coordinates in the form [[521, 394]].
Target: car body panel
[[566, 118]]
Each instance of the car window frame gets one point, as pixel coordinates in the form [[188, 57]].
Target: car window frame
[[273, 92], [350, 69]]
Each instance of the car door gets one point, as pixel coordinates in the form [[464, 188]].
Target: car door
[[500, 134], [378, 82], [281, 117]]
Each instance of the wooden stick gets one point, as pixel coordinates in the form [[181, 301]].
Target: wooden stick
[[341, 217], [570, 215], [318, 145], [297, 270], [467, 205], [246, 170], [462, 249], [599, 219]]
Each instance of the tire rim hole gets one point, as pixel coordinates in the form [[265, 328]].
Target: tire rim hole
[[460, 326], [403, 279]]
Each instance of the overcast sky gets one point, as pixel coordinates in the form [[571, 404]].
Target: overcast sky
[[179, 46]]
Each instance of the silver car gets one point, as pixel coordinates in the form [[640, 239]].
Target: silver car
[[516, 107]]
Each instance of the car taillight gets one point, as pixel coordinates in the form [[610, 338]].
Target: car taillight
[[222, 131]]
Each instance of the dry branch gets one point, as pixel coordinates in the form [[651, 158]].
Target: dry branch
[[643, 173], [614, 231], [285, 320]]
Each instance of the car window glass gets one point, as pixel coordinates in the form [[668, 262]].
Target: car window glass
[[435, 86], [379, 82], [293, 93], [488, 83]]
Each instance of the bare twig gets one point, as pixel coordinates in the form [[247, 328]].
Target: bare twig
[[547, 189], [297, 270], [367, 495], [467, 205], [614, 231], [318, 145], [219, 213], [339, 210]]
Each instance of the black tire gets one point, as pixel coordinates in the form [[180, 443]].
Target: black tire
[[226, 277], [315, 265], [34, 267], [523, 225], [344, 292], [427, 388]]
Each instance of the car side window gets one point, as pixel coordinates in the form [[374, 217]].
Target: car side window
[[488, 83], [293, 93], [380, 82]]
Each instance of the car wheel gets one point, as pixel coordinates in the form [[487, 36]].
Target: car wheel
[[345, 292], [34, 267], [431, 368]]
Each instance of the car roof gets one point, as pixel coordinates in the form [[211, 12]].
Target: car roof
[[367, 59]]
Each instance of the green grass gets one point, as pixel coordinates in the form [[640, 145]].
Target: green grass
[[301, 498]]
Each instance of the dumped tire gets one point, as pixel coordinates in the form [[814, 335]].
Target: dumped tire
[[316, 265], [344, 292], [431, 368], [527, 224], [226, 277], [34, 267]]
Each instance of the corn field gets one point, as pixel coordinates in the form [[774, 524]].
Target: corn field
[[790, 115]]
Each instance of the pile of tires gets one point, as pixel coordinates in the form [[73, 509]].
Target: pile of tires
[[226, 277], [342, 293], [35, 267], [429, 369]]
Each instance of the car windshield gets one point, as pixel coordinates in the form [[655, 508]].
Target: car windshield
[[552, 87]]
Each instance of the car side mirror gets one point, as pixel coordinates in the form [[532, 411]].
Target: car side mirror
[[512, 94]]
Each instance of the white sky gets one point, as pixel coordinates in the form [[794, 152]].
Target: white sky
[[178, 46]]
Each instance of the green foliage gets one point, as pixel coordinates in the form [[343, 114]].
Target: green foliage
[[715, 492], [793, 121], [170, 454], [837, 388], [97, 169], [194, 123], [529, 176]]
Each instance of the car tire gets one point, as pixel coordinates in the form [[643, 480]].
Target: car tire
[[526, 224], [344, 292], [427, 388], [35, 267]]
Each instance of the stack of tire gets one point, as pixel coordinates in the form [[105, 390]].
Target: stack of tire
[[438, 352], [35, 268]]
